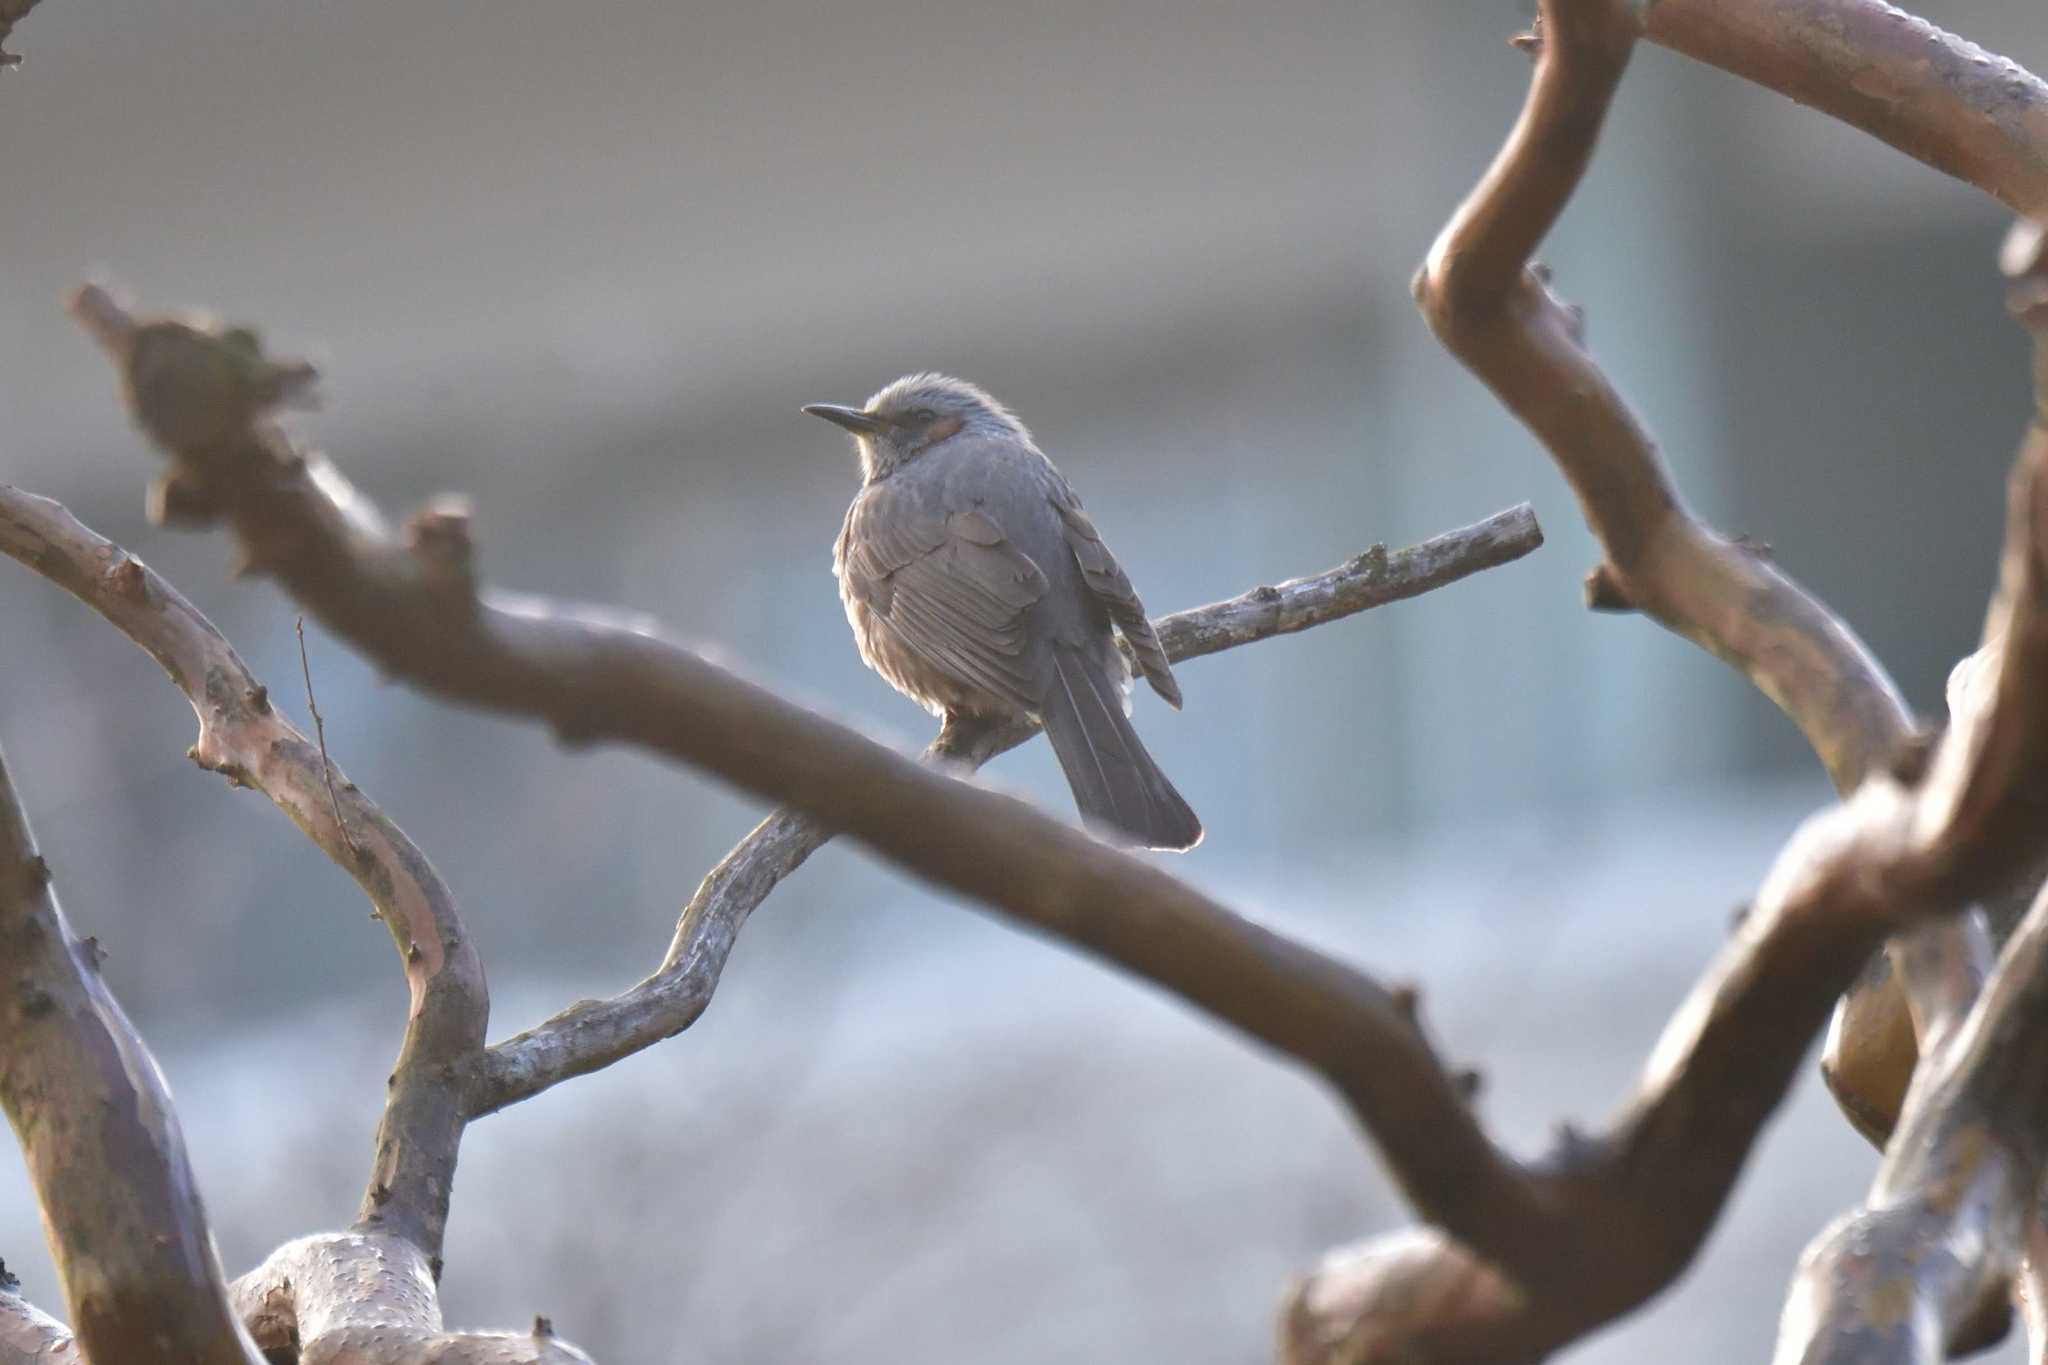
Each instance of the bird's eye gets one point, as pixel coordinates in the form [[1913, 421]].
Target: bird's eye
[[925, 415]]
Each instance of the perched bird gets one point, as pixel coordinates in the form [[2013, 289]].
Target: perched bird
[[977, 586]]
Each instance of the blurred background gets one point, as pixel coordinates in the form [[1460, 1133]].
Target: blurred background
[[585, 264]]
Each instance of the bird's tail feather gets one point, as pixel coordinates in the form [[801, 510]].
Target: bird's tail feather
[[1115, 782]]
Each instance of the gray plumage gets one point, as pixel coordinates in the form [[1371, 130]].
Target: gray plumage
[[976, 584]]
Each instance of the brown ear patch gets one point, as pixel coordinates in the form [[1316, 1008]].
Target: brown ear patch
[[944, 429]]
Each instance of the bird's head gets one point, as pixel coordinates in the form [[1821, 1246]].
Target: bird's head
[[915, 414]]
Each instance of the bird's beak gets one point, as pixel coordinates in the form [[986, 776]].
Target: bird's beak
[[853, 419]]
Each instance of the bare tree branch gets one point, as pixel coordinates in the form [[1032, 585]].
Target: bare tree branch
[[1983, 119], [596, 1033], [1655, 1185], [1936, 97], [1496, 313], [128, 1233], [1589, 1233], [1933, 96], [356, 1298], [1630, 1208], [1922, 1270], [245, 738], [203, 394], [365, 1296]]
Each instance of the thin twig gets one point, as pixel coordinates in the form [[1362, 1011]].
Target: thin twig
[[320, 731]]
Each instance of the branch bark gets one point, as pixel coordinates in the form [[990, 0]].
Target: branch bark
[[1940, 99], [1928, 93], [1922, 1270], [1920, 1273], [1714, 1078], [595, 1033], [1541, 1253], [104, 1152], [358, 1298], [366, 1296], [1633, 1205], [1493, 309], [204, 394], [245, 738], [28, 1335], [1971, 114]]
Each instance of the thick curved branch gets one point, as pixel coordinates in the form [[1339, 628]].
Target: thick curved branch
[[1630, 1207], [127, 1229], [244, 737], [203, 394], [1497, 315], [595, 1033], [1904, 847], [1922, 1270], [1495, 312], [1938, 98], [1974, 115]]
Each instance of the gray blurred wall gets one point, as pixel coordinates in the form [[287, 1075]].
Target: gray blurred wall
[[585, 264]]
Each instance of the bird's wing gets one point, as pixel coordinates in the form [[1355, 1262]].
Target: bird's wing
[[950, 586], [1112, 587]]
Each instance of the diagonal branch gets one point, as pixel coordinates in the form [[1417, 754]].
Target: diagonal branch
[[245, 738], [126, 1226], [203, 395], [1936, 97], [595, 1033]]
